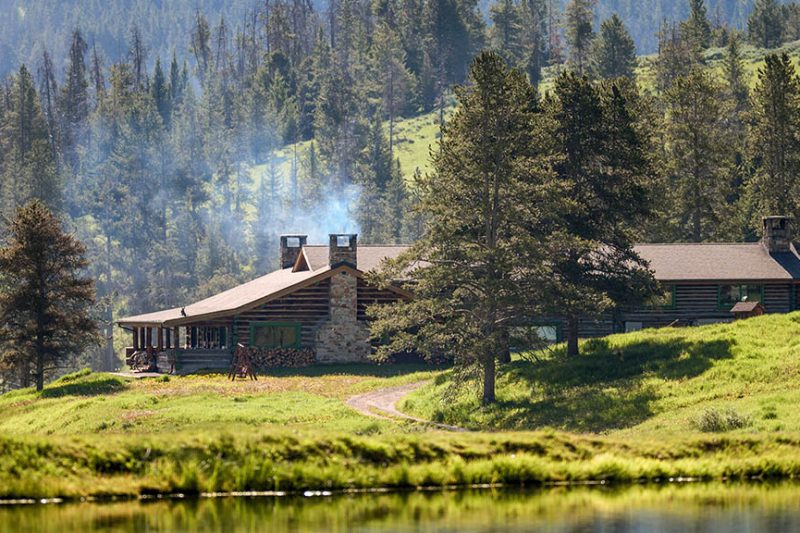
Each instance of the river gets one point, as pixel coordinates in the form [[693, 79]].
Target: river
[[672, 508]]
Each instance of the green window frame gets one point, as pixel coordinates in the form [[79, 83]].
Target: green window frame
[[670, 293], [295, 326], [739, 291]]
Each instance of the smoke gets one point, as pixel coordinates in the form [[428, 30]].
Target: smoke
[[334, 212]]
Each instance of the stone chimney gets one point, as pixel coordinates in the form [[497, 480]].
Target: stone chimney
[[343, 338], [291, 246], [777, 234], [343, 248]]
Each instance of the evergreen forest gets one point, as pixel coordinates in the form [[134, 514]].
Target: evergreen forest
[[178, 140]]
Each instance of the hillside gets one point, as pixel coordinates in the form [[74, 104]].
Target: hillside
[[416, 136], [86, 403], [742, 376], [100, 434], [29, 27]]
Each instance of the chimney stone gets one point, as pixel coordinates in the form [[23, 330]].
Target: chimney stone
[[343, 248], [291, 246], [777, 234]]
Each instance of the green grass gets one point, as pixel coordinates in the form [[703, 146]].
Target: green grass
[[742, 377], [86, 403], [201, 462], [713, 403]]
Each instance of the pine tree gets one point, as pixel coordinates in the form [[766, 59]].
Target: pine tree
[[75, 100], [506, 31], [160, 92], [735, 75], [29, 169], [698, 152], [482, 207], [579, 16], [774, 140], [535, 50], [50, 100], [97, 77], [395, 205], [676, 56], [201, 44], [614, 53], [765, 24], [397, 83], [605, 173], [697, 28], [375, 173], [45, 309], [137, 54]]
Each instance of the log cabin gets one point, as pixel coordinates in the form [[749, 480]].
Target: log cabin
[[317, 300]]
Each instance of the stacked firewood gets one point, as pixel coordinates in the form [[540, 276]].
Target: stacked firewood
[[280, 357], [143, 361]]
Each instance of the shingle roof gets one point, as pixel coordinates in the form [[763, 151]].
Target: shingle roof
[[232, 299], [745, 307], [368, 257], [242, 296], [731, 262], [670, 262]]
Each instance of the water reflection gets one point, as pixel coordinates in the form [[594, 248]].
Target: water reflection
[[723, 508]]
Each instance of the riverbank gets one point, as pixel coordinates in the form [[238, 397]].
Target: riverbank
[[133, 466]]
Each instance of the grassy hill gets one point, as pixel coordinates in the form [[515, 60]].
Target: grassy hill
[[418, 135], [715, 402], [85, 403], [743, 377]]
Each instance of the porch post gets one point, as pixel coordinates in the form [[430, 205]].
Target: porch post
[[148, 337], [176, 335], [136, 339], [160, 333]]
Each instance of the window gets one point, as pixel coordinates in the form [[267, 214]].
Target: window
[[633, 326], [275, 335], [728, 295], [548, 334], [343, 241], [534, 336], [664, 300]]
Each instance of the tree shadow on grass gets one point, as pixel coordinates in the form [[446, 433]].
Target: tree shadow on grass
[[601, 362], [590, 409], [602, 389], [357, 369], [91, 387]]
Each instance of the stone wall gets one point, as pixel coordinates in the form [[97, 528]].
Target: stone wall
[[343, 339], [343, 248]]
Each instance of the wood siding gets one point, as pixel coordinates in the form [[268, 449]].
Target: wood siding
[[369, 295], [309, 306], [698, 302]]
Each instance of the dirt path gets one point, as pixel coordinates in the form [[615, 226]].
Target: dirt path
[[382, 403]]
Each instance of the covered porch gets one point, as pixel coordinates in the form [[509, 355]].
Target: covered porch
[[180, 349]]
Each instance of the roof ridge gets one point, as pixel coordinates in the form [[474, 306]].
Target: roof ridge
[[697, 243], [361, 245]]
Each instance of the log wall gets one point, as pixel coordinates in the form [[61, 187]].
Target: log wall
[[369, 295], [693, 303], [309, 306]]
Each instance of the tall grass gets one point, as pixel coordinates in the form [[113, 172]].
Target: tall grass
[[193, 463]]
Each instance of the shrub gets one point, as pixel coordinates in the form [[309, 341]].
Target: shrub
[[715, 420]]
